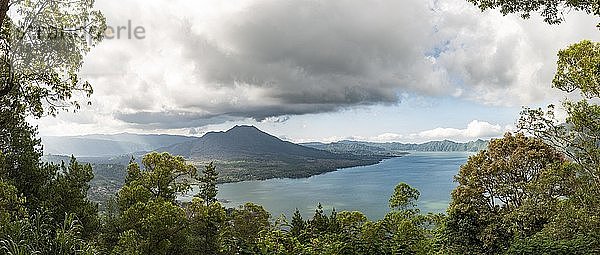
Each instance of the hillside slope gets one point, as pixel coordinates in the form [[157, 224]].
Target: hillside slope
[[246, 153], [242, 142], [396, 149]]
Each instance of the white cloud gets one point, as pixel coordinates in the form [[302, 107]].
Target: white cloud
[[214, 61], [388, 137], [278, 119], [474, 130]]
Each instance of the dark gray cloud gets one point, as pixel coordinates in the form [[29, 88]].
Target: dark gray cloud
[[172, 120], [208, 62], [312, 57]]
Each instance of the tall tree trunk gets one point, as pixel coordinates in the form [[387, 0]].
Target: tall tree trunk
[[3, 10], [4, 88]]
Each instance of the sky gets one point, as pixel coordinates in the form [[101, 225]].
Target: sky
[[307, 70]]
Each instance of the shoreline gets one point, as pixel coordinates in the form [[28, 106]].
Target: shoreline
[[320, 173]]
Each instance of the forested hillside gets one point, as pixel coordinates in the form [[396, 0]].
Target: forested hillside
[[396, 149]]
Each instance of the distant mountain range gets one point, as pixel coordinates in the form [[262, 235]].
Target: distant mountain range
[[241, 153], [393, 149], [108, 145], [238, 142]]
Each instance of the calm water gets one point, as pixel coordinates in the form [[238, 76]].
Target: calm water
[[366, 189]]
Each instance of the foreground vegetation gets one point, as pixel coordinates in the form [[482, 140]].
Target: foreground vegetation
[[537, 194], [519, 196]]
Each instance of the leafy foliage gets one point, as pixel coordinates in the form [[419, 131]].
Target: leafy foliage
[[509, 191], [552, 11], [567, 224], [579, 68], [38, 234], [404, 197], [148, 220], [41, 51], [298, 225], [205, 225], [12, 204], [208, 184]]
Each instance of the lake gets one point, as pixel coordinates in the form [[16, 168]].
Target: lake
[[366, 189]]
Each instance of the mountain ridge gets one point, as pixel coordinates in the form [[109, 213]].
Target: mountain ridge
[[241, 141], [247, 153], [111, 145], [396, 147], [241, 153]]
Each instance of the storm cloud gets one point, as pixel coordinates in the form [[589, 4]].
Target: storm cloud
[[208, 62]]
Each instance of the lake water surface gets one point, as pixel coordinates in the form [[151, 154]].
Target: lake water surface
[[366, 189]]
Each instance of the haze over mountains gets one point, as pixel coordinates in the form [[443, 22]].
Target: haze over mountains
[[241, 153], [107, 145], [236, 143]]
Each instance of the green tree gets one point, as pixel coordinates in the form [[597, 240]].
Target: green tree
[[298, 224], [246, 223], [205, 223], [163, 177], [334, 225], [276, 241], [319, 222], [66, 194], [407, 230], [404, 197], [12, 206], [579, 69], [208, 184], [206, 215], [42, 46], [21, 152], [511, 190], [345, 232], [158, 226], [38, 76], [60, 190], [575, 223], [149, 220], [351, 221], [577, 136]]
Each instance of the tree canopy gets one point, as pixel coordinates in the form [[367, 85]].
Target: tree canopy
[[511, 190], [552, 11], [42, 46]]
